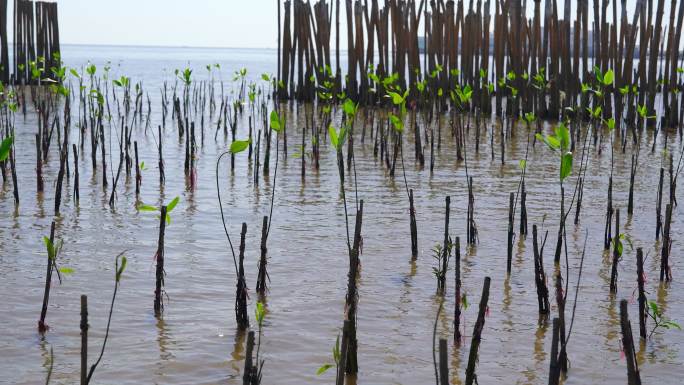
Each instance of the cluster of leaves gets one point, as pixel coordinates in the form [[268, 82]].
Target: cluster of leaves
[[438, 253], [5, 148], [399, 101], [618, 243], [143, 207], [462, 95], [337, 138], [658, 317], [240, 74], [53, 251], [559, 142]]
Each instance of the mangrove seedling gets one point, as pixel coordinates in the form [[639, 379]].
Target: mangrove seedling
[[336, 358], [659, 318], [118, 272], [54, 249]]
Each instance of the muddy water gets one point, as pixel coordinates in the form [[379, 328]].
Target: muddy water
[[197, 341]]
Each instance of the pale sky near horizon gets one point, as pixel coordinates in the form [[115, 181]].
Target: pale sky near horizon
[[204, 23]]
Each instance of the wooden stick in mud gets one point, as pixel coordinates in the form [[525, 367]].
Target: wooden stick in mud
[[352, 366], [659, 204], [39, 166], [138, 176], [443, 362], [76, 177], [42, 326], [554, 368], [342, 366], [441, 281], [161, 158], [539, 275], [159, 276], [510, 234], [607, 236], [414, 230], [241, 316], [471, 227], [616, 254], [641, 280], [262, 274], [633, 377], [60, 181], [249, 368], [84, 339], [580, 193], [561, 226], [477, 334], [630, 201], [665, 273], [523, 210], [457, 293]]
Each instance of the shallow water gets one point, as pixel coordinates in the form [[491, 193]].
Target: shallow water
[[197, 341]]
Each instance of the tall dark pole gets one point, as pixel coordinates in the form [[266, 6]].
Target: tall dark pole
[[275, 91], [337, 40]]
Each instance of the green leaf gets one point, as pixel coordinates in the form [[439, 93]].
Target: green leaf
[[654, 308], [566, 165], [50, 248], [522, 164], [144, 207], [342, 136], [349, 107], [464, 301], [66, 270], [672, 324], [563, 135], [396, 122], [5, 148], [259, 313], [396, 97], [336, 350], [323, 369], [552, 142], [333, 136], [608, 78], [276, 122], [168, 219], [172, 204], [239, 146]]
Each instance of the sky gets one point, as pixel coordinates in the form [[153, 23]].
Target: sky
[[196, 23]]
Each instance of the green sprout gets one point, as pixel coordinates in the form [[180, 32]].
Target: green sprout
[[559, 142], [336, 358], [658, 317], [143, 207]]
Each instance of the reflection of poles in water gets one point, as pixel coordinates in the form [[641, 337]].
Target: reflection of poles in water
[[48, 358], [163, 340], [236, 354], [539, 352]]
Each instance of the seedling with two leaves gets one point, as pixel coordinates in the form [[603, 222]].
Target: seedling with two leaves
[[149, 208]]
